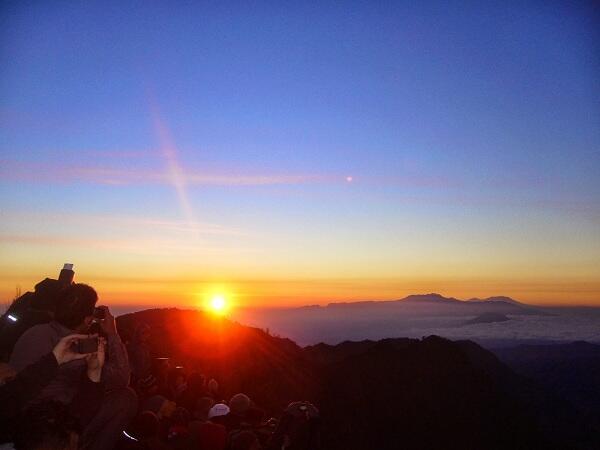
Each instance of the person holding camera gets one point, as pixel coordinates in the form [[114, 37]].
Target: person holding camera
[[104, 418], [19, 389]]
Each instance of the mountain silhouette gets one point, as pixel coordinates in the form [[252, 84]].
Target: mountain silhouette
[[394, 393], [438, 304], [243, 359], [570, 370]]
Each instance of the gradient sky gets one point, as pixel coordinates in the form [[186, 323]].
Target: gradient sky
[[288, 153]]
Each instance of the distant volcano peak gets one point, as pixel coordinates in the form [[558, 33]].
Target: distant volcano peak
[[433, 297]]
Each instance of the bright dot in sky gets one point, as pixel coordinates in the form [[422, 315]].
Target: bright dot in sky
[[218, 304], [349, 179]]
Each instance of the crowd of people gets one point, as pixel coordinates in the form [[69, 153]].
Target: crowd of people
[[69, 381]]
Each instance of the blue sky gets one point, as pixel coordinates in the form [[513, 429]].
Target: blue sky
[[476, 122]]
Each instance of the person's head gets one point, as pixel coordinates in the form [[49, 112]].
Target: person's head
[[196, 381], [244, 440], [239, 404], [47, 294], [213, 386], [47, 426], [142, 333], [176, 377], [75, 308], [167, 409], [202, 408]]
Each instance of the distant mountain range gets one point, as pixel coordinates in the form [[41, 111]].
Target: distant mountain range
[[444, 305], [411, 316]]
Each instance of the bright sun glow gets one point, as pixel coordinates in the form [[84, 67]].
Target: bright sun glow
[[218, 304]]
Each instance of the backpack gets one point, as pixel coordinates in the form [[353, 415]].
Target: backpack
[[31, 308]]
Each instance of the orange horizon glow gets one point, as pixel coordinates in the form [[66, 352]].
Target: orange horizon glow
[[293, 292]]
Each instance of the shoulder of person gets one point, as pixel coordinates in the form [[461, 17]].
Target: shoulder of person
[[42, 331], [33, 343]]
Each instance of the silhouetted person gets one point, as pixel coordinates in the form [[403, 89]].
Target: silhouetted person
[[48, 426], [178, 434], [194, 390], [17, 390], [74, 313], [298, 429], [138, 350], [245, 440], [30, 309], [145, 430], [238, 407], [205, 434], [213, 389], [177, 383]]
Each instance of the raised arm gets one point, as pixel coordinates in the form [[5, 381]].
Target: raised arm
[[32, 379], [116, 371]]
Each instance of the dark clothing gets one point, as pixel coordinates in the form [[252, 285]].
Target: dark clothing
[[189, 398], [41, 339], [229, 421], [117, 408], [208, 436], [103, 408], [19, 391], [139, 359], [27, 385], [87, 401], [12, 331]]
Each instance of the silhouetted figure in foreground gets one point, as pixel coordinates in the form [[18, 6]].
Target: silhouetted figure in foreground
[[298, 429], [17, 390], [118, 403], [138, 350], [48, 426]]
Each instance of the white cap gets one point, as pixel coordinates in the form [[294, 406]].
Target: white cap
[[68, 266], [220, 409]]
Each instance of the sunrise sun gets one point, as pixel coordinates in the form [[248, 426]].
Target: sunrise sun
[[218, 304]]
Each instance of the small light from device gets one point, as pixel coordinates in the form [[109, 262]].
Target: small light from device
[[13, 318], [127, 435]]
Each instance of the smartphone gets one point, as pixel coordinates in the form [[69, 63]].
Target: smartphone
[[89, 345], [99, 313]]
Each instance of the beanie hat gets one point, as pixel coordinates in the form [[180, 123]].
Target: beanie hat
[[220, 409], [239, 404]]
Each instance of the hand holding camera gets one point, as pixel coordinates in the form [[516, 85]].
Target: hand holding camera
[[106, 320], [67, 349]]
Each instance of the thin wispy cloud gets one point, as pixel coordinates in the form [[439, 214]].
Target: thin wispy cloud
[[59, 173], [14, 219], [140, 246]]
